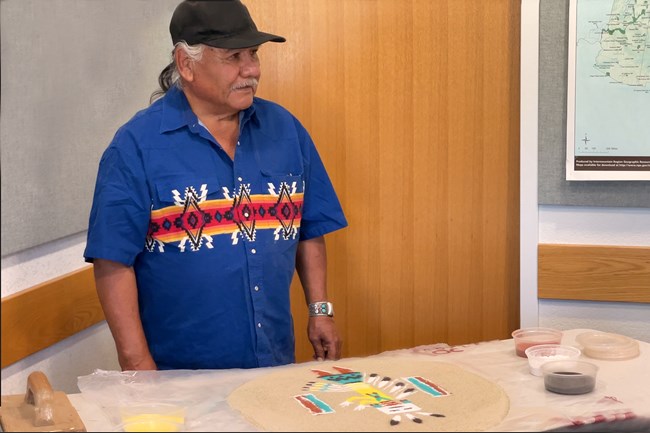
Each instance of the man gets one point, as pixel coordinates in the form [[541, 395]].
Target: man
[[205, 205]]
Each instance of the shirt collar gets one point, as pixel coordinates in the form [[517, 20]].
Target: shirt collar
[[247, 114], [176, 112]]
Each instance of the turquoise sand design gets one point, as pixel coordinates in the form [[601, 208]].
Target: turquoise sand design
[[381, 393]]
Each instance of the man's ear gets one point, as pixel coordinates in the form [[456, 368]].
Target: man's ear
[[184, 65]]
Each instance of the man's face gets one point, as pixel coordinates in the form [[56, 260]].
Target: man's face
[[226, 79]]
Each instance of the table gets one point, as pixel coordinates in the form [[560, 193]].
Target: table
[[619, 402]]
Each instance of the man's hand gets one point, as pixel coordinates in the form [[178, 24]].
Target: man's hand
[[324, 337]]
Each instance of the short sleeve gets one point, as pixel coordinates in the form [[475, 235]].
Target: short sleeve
[[322, 211], [120, 212]]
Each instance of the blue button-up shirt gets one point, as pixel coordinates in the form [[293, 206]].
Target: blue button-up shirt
[[212, 240]]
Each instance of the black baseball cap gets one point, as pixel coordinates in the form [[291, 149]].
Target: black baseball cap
[[218, 23]]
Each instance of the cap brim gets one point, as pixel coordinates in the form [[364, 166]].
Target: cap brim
[[244, 40]]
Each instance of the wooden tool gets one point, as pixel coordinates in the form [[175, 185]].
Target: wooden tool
[[40, 410]]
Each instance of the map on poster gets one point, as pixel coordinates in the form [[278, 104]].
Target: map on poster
[[608, 111]]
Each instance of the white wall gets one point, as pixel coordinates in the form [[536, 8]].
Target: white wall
[[104, 57], [73, 71], [567, 224]]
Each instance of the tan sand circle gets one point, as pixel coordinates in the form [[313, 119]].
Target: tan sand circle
[[371, 394]]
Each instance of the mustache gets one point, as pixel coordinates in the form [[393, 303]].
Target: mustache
[[251, 82]]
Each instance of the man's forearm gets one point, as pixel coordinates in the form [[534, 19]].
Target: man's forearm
[[118, 295], [311, 265]]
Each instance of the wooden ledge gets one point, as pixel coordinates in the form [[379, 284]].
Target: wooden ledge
[[594, 273], [45, 314]]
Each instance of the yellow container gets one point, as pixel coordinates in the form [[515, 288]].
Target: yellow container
[[152, 418]]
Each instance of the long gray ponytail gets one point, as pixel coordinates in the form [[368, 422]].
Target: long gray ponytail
[[169, 76]]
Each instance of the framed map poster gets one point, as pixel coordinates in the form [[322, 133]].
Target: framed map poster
[[608, 98]]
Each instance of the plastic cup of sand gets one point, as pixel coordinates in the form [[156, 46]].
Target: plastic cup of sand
[[152, 418]]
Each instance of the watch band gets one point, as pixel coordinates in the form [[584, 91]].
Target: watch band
[[321, 309]]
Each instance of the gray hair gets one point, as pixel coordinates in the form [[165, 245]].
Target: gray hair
[[169, 76]]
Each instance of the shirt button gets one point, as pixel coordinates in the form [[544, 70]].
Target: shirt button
[[257, 289], [238, 143], [246, 214], [239, 179], [259, 325], [253, 251]]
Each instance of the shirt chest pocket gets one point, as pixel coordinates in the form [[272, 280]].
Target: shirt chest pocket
[[186, 191], [279, 183]]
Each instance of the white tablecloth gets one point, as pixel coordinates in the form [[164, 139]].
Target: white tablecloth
[[621, 395]]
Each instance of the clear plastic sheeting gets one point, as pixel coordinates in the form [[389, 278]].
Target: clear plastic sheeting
[[201, 393], [620, 397]]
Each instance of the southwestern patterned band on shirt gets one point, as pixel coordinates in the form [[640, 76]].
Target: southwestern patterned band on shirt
[[195, 219]]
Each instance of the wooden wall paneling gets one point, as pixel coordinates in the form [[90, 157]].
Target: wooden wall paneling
[[594, 273], [430, 170], [361, 59], [466, 145], [328, 128], [392, 223], [48, 313], [500, 200], [414, 108]]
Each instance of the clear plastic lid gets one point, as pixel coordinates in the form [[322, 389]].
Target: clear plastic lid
[[605, 345]]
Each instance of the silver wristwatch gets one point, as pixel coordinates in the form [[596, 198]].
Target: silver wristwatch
[[321, 309]]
